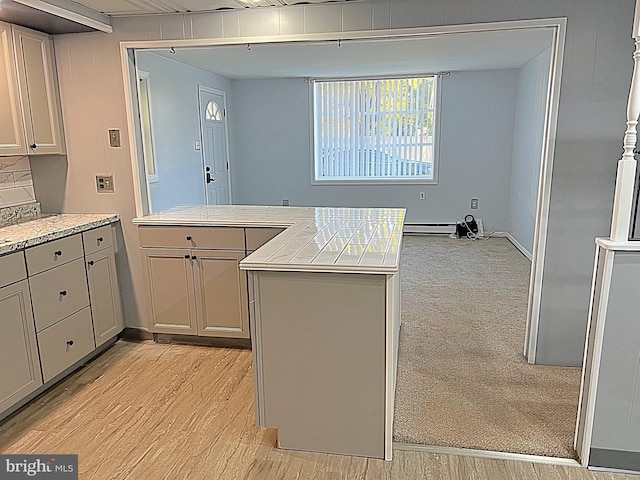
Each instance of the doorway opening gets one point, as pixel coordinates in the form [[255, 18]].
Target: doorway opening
[[269, 167]]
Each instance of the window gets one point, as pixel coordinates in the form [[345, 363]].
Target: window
[[145, 123], [213, 112], [373, 131]]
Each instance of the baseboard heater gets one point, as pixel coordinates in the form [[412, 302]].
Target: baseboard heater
[[430, 228]]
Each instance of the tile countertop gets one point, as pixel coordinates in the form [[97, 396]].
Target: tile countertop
[[44, 228], [318, 239]]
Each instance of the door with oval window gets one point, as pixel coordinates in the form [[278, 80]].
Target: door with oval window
[[213, 130]]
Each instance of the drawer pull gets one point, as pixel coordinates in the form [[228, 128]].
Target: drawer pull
[[58, 253], [189, 237], [100, 239], [69, 342], [63, 293]]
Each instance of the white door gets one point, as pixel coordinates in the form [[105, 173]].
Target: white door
[[213, 128]]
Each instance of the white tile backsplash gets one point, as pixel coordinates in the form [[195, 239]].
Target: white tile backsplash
[[14, 164], [16, 184], [17, 196]]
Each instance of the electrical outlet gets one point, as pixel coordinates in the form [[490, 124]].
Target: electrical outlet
[[285, 203], [422, 195], [474, 204], [104, 183]]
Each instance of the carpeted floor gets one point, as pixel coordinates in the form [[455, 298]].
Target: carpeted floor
[[462, 378]]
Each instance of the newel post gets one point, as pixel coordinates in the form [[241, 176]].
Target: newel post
[[625, 179]]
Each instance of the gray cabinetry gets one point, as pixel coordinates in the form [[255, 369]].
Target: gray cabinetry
[[102, 279], [55, 312], [20, 375], [193, 281], [29, 93]]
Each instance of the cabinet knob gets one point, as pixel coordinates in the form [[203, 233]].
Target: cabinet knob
[[187, 256], [90, 262], [63, 293], [100, 239], [193, 257], [33, 145], [69, 342], [189, 237], [58, 253]]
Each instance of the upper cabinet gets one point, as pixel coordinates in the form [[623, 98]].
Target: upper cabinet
[[29, 90], [12, 140]]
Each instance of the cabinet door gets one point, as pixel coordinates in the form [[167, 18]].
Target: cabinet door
[[20, 373], [38, 91], [12, 141], [221, 294], [104, 294], [169, 290]]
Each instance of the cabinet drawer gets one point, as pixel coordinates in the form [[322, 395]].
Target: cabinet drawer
[[63, 344], [222, 238], [57, 293], [256, 237], [97, 239], [51, 254], [12, 268]]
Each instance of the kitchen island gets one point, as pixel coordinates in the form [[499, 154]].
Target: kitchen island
[[324, 317]]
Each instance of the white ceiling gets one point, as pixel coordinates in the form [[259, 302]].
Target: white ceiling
[[456, 52], [144, 7]]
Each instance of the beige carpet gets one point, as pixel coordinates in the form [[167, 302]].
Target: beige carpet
[[462, 378]]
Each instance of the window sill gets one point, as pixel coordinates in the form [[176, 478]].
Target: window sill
[[372, 181]]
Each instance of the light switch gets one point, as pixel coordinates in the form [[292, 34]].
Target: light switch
[[104, 183], [114, 138], [197, 145]]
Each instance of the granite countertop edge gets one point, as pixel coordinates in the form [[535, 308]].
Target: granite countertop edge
[[18, 236]]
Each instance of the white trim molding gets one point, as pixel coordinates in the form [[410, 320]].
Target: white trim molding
[[544, 190], [519, 246]]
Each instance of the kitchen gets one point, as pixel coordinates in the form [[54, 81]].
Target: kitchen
[[67, 183]]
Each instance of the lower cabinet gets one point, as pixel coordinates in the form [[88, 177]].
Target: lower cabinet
[[196, 292], [106, 307], [64, 343], [59, 302], [169, 290], [18, 350], [221, 294]]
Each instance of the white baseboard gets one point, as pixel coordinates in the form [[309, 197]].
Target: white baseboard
[[429, 228], [519, 246]]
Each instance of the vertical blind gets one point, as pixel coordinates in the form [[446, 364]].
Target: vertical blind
[[379, 128]]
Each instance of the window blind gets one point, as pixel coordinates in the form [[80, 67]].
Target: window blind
[[378, 128]]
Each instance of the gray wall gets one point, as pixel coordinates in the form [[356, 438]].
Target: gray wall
[[272, 133], [528, 131], [616, 425], [176, 124], [595, 86]]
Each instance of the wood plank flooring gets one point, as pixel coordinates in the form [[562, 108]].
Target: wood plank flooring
[[149, 411]]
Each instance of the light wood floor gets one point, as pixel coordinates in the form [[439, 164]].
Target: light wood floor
[[149, 411]]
